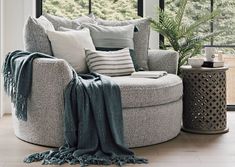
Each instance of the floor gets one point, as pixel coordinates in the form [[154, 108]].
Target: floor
[[186, 150]]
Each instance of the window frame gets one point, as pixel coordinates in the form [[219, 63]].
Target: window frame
[[140, 10], [162, 6]]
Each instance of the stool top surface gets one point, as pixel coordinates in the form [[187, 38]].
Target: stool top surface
[[198, 69]]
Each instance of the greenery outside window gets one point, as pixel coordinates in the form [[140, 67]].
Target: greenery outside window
[[225, 22], [105, 9]]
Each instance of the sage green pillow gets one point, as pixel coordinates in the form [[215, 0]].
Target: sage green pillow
[[141, 38], [111, 36]]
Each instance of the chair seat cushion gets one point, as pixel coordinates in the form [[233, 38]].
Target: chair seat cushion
[[146, 92]]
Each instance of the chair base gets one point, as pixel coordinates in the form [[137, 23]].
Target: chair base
[[142, 126]]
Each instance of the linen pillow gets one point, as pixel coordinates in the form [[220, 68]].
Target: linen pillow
[[111, 63], [141, 38], [35, 37], [70, 45], [58, 21], [90, 18], [67, 29], [111, 37]]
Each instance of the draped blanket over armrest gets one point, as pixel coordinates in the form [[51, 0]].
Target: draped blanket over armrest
[[17, 73], [93, 122]]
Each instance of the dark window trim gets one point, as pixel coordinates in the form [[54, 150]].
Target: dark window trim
[[230, 107], [220, 46], [38, 8], [140, 10], [212, 22], [90, 6], [161, 37]]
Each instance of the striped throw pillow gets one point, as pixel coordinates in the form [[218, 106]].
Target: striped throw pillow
[[111, 63]]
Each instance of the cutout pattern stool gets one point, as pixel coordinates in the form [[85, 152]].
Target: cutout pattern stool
[[204, 100]]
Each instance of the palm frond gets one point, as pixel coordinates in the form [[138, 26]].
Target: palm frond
[[195, 51], [167, 27], [203, 19], [180, 12]]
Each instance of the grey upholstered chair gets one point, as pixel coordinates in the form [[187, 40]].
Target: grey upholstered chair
[[152, 108]]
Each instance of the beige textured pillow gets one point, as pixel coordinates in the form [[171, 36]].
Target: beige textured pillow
[[70, 46]]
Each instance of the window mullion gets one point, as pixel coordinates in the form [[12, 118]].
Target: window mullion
[[140, 8], [161, 37], [212, 22], [38, 8], [90, 7]]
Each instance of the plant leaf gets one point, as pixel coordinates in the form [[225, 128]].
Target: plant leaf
[[180, 12], [203, 19]]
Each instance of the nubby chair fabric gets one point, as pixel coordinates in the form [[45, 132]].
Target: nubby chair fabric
[[152, 108]]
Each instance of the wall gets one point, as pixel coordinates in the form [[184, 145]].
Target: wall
[[1, 18], [13, 16], [150, 10]]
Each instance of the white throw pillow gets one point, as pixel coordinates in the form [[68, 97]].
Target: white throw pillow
[[70, 46]]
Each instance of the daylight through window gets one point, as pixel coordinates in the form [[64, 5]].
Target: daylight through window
[[105, 9]]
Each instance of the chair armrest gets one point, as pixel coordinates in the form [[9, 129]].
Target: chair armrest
[[163, 60], [50, 77], [51, 73], [46, 101], [45, 105]]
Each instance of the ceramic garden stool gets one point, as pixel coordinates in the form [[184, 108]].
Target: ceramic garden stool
[[204, 100]]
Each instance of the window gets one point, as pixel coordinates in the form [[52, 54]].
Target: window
[[193, 11], [225, 41], [225, 22], [105, 9]]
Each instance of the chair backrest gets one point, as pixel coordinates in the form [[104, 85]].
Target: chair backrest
[[36, 40]]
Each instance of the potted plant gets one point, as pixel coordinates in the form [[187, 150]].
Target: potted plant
[[183, 38]]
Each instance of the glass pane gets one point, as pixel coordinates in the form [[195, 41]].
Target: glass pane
[[194, 10], [66, 8], [230, 62], [105, 9], [225, 23], [115, 9]]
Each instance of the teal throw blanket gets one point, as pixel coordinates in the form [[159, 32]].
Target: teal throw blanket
[[17, 73], [93, 115]]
